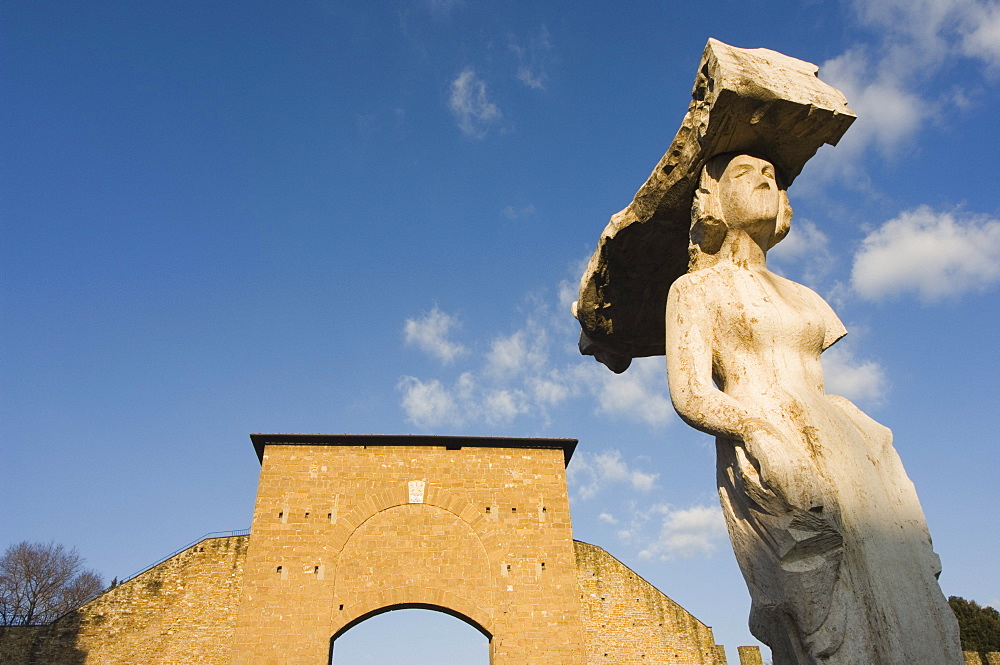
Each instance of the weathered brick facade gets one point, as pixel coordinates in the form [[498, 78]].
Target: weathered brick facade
[[750, 656], [628, 621], [346, 527], [180, 611]]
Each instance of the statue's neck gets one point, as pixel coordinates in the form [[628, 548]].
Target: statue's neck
[[743, 250]]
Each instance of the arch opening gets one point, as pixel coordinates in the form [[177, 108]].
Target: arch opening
[[404, 636]]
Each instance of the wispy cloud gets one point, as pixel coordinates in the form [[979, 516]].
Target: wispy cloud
[[931, 30], [886, 81], [685, 532], [639, 395], [431, 404], [471, 106], [525, 373], [429, 333], [591, 473], [442, 9], [936, 255], [532, 58], [660, 531], [512, 213], [807, 249], [515, 377], [428, 403], [858, 380], [981, 33]]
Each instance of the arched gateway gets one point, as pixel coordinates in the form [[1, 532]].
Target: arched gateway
[[346, 527]]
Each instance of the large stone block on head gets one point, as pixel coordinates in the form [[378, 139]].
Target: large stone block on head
[[752, 101]]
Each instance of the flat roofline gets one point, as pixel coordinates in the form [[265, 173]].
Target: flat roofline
[[449, 442]]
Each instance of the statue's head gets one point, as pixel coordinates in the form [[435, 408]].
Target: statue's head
[[738, 191]]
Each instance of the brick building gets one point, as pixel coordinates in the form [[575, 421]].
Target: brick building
[[348, 526]]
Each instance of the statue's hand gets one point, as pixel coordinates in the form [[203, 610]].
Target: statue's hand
[[782, 467]]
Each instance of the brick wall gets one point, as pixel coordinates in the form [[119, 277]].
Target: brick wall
[[628, 621], [180, 611], [750, 656], [343, 530]]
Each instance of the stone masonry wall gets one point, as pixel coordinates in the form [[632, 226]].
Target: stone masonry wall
[[627, 621], [750, 656], [342, 531], [180, 611], [16, 643]]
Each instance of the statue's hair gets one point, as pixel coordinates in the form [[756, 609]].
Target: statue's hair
[[708, 224]]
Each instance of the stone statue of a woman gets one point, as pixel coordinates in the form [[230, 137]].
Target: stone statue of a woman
[[825, 523]]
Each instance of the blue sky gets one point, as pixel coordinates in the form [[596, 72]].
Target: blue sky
[[371, 218]]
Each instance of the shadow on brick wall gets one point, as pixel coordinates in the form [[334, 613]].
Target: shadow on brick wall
[[54, 644]]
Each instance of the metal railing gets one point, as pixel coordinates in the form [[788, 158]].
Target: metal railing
[[210, 534]]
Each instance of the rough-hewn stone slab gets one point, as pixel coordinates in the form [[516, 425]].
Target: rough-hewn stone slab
[[747, 100]]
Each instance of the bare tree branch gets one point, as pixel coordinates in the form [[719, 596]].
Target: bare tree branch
[[40, 582]]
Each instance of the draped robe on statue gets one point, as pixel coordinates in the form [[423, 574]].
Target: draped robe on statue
[[824, 521]]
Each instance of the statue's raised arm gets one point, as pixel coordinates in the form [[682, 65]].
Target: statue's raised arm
[[825, 524]]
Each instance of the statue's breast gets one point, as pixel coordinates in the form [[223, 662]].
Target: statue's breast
[[764, 314]]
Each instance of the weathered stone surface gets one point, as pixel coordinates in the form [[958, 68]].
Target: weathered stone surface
[[343, 532], [754, 101], [180, 611], [750, 656], [975, 658], [825, 523], [344, 529], [627, 621]]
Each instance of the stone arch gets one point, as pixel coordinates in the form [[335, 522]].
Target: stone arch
[[414, 553], [418, 599], [477, 528], [378, 502]]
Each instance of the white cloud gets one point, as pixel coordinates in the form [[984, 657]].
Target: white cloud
[[429, 333], [532, 59], [471, 107], [607, 518], [443, 8], [518, 377], [502, 406], [934, 254], [638, 394], [936, 28], [981, 34], [808, 249], [591, 473], [884, 82], [551, 390], [857, 380], [512, 213], [686, 533], [433, 405], [521, 351], [889, 112], [428, 404]]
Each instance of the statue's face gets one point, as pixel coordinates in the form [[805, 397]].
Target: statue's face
[[748, 192]]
